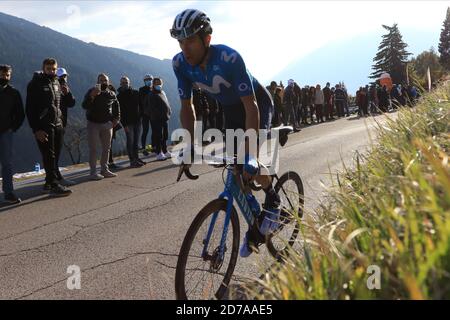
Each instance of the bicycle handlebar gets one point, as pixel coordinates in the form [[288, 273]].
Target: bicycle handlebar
[[186, 169]]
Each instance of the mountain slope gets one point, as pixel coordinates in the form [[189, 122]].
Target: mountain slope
[[24, 45]]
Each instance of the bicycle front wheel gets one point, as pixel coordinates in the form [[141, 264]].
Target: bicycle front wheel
[[290, 189], [207, 276]]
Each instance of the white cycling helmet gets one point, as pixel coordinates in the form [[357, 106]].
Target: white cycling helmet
[[190, 22]]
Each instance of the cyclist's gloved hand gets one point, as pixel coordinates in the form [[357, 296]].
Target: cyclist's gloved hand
[[251, 166]]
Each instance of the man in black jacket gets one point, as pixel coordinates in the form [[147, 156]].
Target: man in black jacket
[[11, 118], [160, 115], [45, 118], [290, 100], [340, 98], [305, 104], [67, 101], [103, 114], [327, 98], [144, 92], [130, 119]]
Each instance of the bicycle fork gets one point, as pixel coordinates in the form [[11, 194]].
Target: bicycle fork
[[232, 192], [225, 195]]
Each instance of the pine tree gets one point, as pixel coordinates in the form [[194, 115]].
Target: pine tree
[[391, 56], [428, 59], [444, 43]]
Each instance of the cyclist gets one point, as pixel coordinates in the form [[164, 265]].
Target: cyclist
[[220, 71]]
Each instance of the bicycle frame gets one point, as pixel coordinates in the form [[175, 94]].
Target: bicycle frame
[[232, 192]]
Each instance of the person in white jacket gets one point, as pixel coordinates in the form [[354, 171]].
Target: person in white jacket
[[318, 102]]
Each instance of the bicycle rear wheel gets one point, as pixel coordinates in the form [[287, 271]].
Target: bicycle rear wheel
[[290, 189], [207, 277]]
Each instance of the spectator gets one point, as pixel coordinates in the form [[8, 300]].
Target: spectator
[[413, 94], [346, 108], [395, 96], [358, 102], [279, 116], [384, 99], [318, 102], [333, 103], [111, 164], [365, 100], [362, 101], [103, 114], [282, 90], [373, 99], [339, 100], [312, 97], [304, 105], [67, 101], [297, 106], [145, 111], [379, 92], [130, 118], [11, 118], [327, 101], [43, 108], [289, 102], [160, 116], [272, 88]]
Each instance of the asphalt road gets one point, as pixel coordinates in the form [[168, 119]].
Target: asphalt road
[[125, 233]]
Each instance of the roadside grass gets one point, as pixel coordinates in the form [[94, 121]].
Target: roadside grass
[[388, 215]]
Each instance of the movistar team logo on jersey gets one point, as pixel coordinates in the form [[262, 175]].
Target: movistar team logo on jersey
[[227, 58], [216, 82]]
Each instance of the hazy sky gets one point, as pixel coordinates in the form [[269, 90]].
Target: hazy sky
[[268, 34]]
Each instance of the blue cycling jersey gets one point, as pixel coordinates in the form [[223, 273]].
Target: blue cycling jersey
[[226, 77]]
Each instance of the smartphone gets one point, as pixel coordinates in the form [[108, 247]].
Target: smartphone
[[98, 86]]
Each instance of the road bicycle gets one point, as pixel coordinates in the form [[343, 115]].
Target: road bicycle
[[207, 259]]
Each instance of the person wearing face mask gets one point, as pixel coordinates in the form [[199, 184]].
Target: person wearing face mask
[[144, 92], [130, 119], [67, 101], [103, 114], [160, 115], [11, 118], [43, 109]]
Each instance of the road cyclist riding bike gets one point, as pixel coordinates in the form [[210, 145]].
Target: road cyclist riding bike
[[221, 72]]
